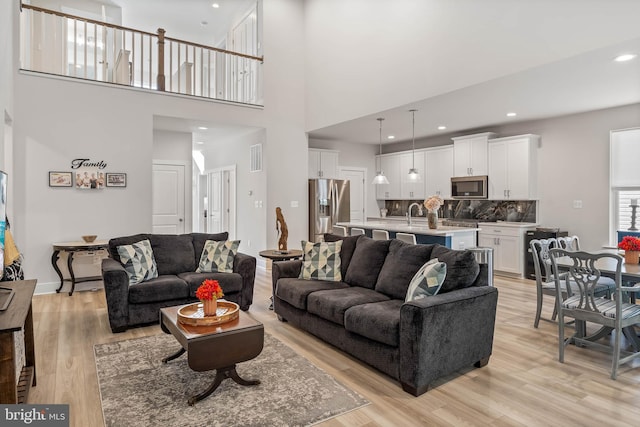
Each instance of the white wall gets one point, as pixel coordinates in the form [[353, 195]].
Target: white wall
[[251, 187], [57, 120], [366, 56], [7, 31]]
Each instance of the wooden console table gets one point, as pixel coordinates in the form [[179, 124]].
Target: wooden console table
[[18, 316], [71, 248]]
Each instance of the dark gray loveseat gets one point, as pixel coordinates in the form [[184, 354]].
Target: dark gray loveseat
[[365, 314], [177, 257]]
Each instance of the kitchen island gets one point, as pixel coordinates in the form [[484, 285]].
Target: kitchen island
[[451, 237]]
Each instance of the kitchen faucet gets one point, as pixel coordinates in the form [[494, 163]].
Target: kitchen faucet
[[409, 211]]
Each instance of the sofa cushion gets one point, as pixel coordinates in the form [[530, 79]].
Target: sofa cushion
[[379, 321], [162, 288], [346, 253], [427, 281], [138, 261], [199, 240], [229, 282], [402, 263], [295, 291], [173, 253], [462, 268], [121, 241], [321, 261], [331, 305], [217, 256], [367, 262]]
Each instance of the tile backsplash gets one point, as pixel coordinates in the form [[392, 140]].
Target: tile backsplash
[[482, 210]]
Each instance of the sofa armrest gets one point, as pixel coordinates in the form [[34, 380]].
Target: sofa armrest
[[281, 269], [245, 266], [116, 289], [444, 333]]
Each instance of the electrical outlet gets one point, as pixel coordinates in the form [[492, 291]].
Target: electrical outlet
[[577, 204]]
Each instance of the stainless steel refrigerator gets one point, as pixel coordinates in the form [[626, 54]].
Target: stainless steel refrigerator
[[329, 202]]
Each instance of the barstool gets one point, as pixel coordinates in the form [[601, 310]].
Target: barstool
[[406, 237], [339, 230], [380, 235], [357, 231]]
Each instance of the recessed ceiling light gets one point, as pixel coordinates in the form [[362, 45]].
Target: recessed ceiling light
[[199, 142], [511, 114], [391, 137], [625, 57], [442, 127], [204, 23], [202, 128], [215, 5]]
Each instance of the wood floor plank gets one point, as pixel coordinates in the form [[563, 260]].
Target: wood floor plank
[[523, 384]]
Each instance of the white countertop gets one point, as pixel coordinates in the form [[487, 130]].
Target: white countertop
[[509, 224], [418, 227]]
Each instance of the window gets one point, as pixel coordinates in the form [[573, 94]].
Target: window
[[624, 178]]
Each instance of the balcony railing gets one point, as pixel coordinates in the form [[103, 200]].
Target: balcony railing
[[57, 43]]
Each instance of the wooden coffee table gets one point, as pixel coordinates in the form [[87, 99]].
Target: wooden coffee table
[[217, 347]]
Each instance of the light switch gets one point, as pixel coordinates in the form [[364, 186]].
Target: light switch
[[294, 203], [577, 204]]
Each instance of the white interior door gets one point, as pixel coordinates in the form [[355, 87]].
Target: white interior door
[[356, 176], [221, 198], [214, 197], [168, 199]]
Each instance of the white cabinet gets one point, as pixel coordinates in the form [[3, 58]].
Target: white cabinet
[[513, 167], [470, 154], [439, 170], [390, 165], [507, 242], [411, 189], [323, 163]]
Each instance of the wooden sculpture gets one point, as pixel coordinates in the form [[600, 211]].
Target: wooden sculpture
[[281, 227]]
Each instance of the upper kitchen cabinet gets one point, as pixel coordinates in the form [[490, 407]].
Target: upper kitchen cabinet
[[513, 167], [390, 165], [470, 154], [439, 170], [411, 189], [323, 163]]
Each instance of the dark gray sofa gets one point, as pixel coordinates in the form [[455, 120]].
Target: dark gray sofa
[[177, 257], [365, 314]]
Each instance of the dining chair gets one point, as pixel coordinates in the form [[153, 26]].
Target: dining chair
[[357, 231], [406, 237], [572, 243], [339, 230], [545, 282], [586, 306], [380, 235]]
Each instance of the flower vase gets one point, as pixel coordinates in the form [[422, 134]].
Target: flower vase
[[631, 257], [432, 219], [210, 306]]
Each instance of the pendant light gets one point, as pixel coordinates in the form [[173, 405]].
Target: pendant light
[[380, 178], [413, 172]]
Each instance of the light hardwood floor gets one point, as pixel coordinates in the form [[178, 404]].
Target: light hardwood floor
[[523, 384]]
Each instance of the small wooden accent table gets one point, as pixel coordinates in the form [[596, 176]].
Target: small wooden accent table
[[71, 248], [275, 255], [217, 347], [17, 316]]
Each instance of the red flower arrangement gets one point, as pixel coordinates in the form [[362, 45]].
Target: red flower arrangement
[[630, 243], [209, 290]]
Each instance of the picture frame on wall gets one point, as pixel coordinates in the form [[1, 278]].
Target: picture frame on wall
[[116, 179], [60, 179]]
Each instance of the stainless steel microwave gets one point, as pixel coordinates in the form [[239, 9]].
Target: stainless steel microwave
[[469, 187]]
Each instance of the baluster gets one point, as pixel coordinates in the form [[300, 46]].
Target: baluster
[[160, 78]]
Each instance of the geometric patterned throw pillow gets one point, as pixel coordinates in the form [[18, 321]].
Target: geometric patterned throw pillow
[[217, 257], [321, 261], [138, 261], [427, 281]]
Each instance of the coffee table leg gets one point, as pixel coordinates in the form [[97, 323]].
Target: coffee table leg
[[221, 375], [174, 355]]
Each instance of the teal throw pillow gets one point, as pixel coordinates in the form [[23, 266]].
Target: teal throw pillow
[[218, 256], [321, 261], [138, 261], [427, 281]]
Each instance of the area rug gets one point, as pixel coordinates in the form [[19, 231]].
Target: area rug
[[137, 389]]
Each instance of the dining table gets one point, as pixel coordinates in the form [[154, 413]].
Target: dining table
[[630, 277]]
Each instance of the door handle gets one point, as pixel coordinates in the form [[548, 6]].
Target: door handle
[[180, 220]]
